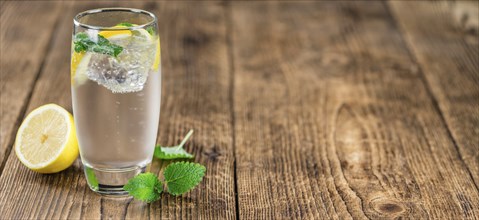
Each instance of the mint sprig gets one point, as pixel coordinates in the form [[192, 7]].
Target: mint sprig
[[145, 187], [175, 152], [83, 43], [179, 177]]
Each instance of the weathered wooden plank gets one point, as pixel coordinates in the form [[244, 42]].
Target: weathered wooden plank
[[59, 195], [332, 119], [449, 58], [196, 95], [195, 88], [23, 46]]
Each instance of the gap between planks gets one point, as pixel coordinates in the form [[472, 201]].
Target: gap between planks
[[229, 42]]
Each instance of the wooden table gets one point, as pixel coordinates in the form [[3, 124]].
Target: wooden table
[[311, 110]]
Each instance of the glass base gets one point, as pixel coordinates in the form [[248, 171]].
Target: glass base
[[111, 181]]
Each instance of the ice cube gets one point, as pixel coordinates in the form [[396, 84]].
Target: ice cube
[[115, 75], [126, 73]]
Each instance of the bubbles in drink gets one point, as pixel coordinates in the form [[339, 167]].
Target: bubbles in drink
[[129, 71]]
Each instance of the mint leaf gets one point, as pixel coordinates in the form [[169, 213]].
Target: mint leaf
[[145, 187], [181, 177], [84, 43], [151, 30], [175, 152], [81, 42], [126, 24], [91, 178], [169, 153]]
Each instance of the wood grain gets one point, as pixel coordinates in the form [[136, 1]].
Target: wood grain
[[333, 120], [48, 196], [23, 47], [449, 58], [196, 96], [195, 88], [325, 110]]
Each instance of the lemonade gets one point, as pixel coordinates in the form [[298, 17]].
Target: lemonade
[[116, 89]]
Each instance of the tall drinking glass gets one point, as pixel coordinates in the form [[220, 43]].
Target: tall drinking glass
[[116, 85]]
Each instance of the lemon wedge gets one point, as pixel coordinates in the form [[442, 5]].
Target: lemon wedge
[[145, 34], [46, 141], [79, 62], [116, 34], [157, 62], [79, 66]]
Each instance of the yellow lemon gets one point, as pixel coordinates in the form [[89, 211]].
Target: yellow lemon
[[157, 62], [79, 62], [76, 59], [79, 66], [117, 34], [150, 37], [46, 141]]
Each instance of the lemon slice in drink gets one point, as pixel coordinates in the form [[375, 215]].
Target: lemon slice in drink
[[46, 141], [80, 61], [114, 35], [145, 34], [79, 66], [157, 61]]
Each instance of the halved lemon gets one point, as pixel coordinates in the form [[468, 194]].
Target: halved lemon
[[46, 141]]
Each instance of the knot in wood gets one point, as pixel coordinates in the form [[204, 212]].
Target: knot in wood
[[388, 207]]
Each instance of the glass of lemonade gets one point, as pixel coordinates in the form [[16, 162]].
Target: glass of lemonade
[[116, 89]]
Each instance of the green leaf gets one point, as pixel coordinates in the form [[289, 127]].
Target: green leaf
[[84, 43], [181, 177], [151, 30], [145, 187], [91, 178], [126, 24], [81, 36], [175, 152], [169, 153]]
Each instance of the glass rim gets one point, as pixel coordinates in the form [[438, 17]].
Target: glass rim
[[77, 22]]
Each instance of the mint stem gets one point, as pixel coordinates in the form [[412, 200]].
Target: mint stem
[[186, 138]]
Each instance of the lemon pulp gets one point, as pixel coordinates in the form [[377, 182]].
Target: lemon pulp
[[46, 141]]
